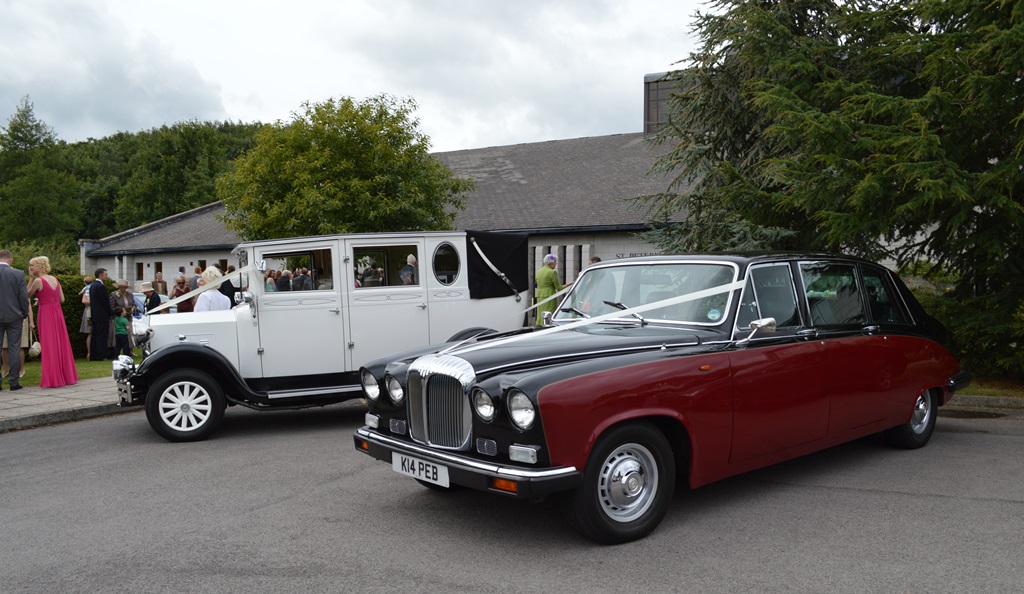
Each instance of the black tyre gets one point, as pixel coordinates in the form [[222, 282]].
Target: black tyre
[[185, 405], [918, 430], [627, 485]]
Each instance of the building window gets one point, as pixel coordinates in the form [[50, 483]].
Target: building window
[[138, 270]]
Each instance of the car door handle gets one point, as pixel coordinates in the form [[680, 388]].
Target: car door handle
[[423, 306], [335, 310]]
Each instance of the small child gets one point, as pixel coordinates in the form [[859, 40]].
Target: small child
[[121, 344]]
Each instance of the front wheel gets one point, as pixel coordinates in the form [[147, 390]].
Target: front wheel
[[185, 405], [918, 430], [627, 485]]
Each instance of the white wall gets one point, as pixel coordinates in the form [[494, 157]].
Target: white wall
[[124, 267], [575, 250]]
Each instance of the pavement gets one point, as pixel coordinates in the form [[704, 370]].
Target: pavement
[[33, 406]]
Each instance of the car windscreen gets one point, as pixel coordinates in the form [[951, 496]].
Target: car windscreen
[[601, 291]]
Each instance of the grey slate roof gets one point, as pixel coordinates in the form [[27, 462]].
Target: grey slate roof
[[564, 185], [578, 185], [198, 229]]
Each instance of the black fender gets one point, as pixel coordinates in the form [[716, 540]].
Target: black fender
[[195, 356]]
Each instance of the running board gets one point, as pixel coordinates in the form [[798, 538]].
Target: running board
[[313, 392]]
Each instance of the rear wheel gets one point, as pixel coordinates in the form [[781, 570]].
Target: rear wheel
[[185, 405], [918, 430], [627, 485]]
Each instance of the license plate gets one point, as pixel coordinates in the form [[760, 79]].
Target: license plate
[[420, 469]]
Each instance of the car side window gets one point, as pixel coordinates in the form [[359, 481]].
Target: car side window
[[884, 309], [446, 264], [769, 294], [834, 297], [299, 270], [386, 266]]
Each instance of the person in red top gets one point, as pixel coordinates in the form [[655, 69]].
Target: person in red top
[[180, 288]]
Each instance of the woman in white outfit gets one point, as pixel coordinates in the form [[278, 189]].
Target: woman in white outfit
[[212, 299]]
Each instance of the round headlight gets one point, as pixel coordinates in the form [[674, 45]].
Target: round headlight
[[370, 386], [521, 409], [484, 405], [395, 389]]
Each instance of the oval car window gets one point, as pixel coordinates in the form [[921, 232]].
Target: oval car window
[[446, 264]]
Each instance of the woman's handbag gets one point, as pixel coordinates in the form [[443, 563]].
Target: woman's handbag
[[36, 349]]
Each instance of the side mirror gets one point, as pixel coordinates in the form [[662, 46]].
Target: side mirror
[[546, 318], [763, 325], [244, 296]]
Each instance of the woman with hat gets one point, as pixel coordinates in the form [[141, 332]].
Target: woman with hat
[[152, 298], [122, 297]]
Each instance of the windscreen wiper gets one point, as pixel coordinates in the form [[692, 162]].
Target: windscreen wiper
[[643, 322]]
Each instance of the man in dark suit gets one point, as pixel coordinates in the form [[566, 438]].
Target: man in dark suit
[[302, 282], [102, 313], [14, 309], [227, 288]]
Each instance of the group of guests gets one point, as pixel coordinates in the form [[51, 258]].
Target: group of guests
[[286, 280], [373, 274], [107, 318], [17, 323]]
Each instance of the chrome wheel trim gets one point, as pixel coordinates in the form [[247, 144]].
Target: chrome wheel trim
[[628, 482], [922, 414], [185, 406]]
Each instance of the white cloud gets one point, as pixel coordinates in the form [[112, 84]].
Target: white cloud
[[483, 73]]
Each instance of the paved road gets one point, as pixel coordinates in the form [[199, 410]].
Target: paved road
[[282, 503]]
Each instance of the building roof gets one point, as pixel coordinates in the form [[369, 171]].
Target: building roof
[[559, 186], [199, 229], [582, 184]]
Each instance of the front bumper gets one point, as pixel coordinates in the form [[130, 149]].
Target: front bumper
[[470, 472], [123, 371]]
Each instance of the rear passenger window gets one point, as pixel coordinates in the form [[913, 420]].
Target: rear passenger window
[[883, 308], [833, 295]]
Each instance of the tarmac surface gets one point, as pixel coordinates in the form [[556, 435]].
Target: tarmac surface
[[33, 406]]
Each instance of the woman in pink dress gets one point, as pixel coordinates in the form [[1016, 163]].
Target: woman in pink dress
[[58, 362]]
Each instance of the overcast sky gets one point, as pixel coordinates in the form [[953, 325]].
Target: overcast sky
[[483, 72]]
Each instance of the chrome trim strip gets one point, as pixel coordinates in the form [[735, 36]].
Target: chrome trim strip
[[460, 462], [638, 349], [313, 392]]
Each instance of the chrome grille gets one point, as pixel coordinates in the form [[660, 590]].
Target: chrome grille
[[439, 411]]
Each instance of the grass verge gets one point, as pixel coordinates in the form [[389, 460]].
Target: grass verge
[[86, 369]]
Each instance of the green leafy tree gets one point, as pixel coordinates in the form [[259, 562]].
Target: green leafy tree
[[38, 197], [174, 168], [341, 166], [889, 130]]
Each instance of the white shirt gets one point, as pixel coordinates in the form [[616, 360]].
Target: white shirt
[[212, 300]]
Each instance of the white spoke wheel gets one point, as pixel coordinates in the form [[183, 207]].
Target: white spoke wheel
[[185, 405], [627, 485], [918, 430]]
